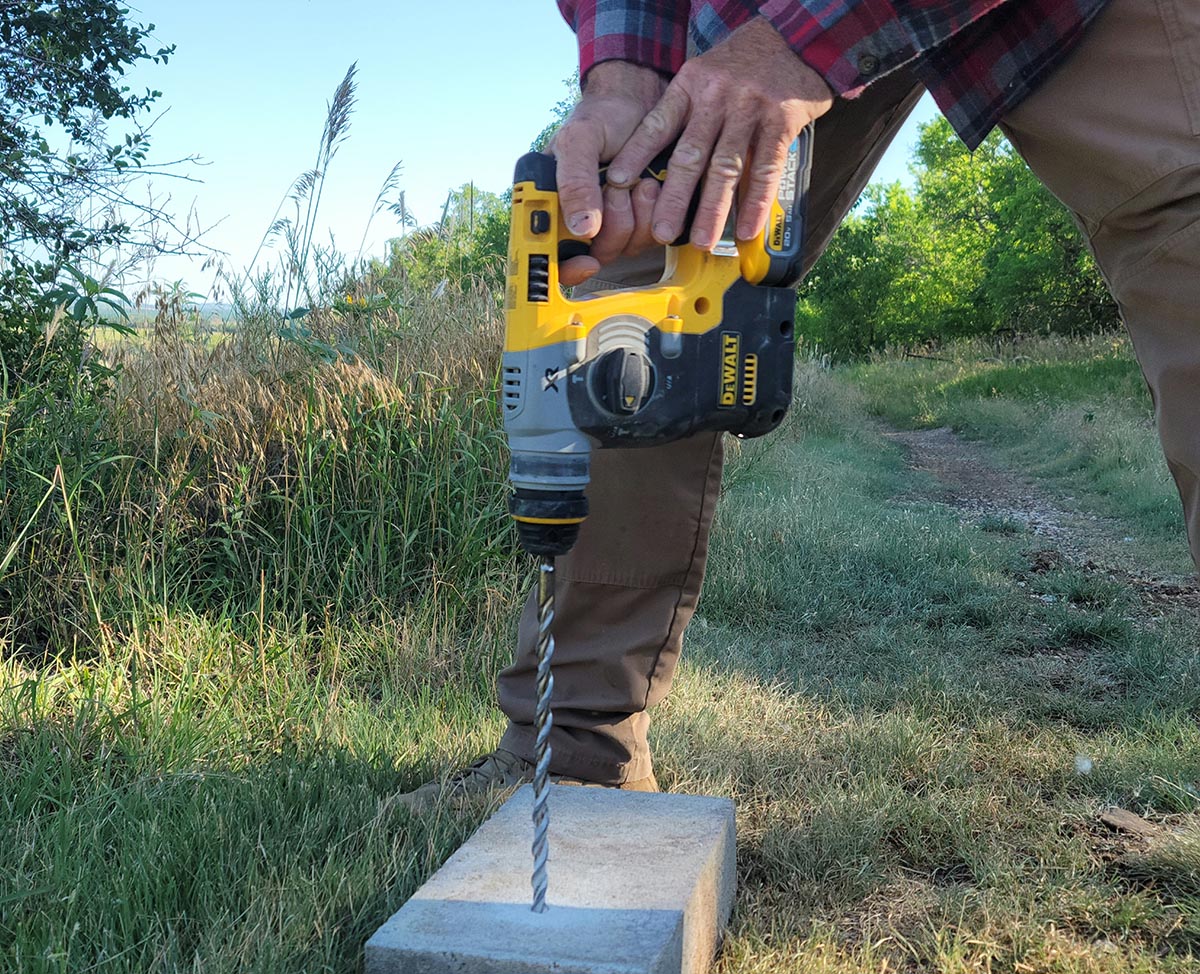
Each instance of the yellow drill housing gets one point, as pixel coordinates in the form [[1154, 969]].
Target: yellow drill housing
[[708, 347]]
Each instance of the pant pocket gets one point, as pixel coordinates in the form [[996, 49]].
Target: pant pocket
[[1181, 19]]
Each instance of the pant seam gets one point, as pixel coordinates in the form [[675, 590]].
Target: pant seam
[[1182, 235], [704, 507], [1186, 71], [901, 107], [1157, 178]]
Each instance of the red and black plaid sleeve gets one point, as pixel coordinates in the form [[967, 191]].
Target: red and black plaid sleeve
[[979, 58], [852, 42], [652, 33]]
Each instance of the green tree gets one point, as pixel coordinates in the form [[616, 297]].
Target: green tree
[[558, 114], [62, 180], [843, 300], [1038, 273], [470, 241], [885, 279], [1032, 270], [978, 247]]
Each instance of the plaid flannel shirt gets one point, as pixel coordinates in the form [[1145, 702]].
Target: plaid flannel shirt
[[978, 58]]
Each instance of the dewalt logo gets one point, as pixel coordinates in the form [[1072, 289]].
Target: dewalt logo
[[778, 224], [731, 346]]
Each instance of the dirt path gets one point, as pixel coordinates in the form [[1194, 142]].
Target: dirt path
[[968, 479]]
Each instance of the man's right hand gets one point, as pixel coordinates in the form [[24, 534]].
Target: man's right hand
[[617, 96]]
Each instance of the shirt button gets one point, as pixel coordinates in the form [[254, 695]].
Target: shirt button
[[868, 64]]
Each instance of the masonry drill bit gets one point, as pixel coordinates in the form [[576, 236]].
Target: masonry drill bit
[[544, 721]]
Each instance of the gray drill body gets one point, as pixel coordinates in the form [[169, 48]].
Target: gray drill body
[[548, 451]]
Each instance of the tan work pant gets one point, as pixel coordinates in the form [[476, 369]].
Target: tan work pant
[[1115, 134]]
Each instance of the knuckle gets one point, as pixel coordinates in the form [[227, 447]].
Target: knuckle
[[687, 157], [574, 185], [720, 88], [571, 124], [726, 166], [574, 133], [616, 201], [781, 119], [768, 171], [656, 122]]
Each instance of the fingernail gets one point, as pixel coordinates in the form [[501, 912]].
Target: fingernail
[[701, 240], [618, 176], [664, 232], [581, 224]]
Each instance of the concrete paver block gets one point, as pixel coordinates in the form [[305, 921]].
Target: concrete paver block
[[639, 884]]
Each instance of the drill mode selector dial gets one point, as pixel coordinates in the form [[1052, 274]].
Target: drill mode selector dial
[[622, 381]]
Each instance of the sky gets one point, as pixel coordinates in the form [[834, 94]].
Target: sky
[[455, 91]]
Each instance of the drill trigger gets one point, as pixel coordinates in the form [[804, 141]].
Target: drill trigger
[[572, 248]]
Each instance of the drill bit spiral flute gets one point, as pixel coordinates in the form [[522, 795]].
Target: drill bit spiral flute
[[544, 722], [709, 347]]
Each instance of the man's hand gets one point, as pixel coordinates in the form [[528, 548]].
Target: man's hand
[[743, 101], [616, 98]]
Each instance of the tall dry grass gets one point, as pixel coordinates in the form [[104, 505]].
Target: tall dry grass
[[344, 474]]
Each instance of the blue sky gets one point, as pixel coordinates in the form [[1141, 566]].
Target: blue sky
[[455, 90]]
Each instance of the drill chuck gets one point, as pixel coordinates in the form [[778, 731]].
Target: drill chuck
[[548, 520]]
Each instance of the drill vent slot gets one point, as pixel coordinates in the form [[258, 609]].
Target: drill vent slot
[[512, 387], [539, 277]]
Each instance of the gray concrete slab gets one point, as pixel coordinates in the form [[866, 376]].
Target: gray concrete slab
[[639, 884]]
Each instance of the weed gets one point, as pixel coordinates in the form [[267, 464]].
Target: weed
[[996, 524]]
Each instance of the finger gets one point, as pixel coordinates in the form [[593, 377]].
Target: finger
[[684, 170], [721, 180], [577, 151], [762, 183], [645, 195], [653, 134], [577, 270], [617, 226]]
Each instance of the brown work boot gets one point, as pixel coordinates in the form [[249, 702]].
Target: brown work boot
[[493, 773]]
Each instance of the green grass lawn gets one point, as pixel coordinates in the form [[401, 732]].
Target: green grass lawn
[[918, 737], [900, 716]]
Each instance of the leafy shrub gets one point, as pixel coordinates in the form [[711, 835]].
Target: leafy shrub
[[979, 248]]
